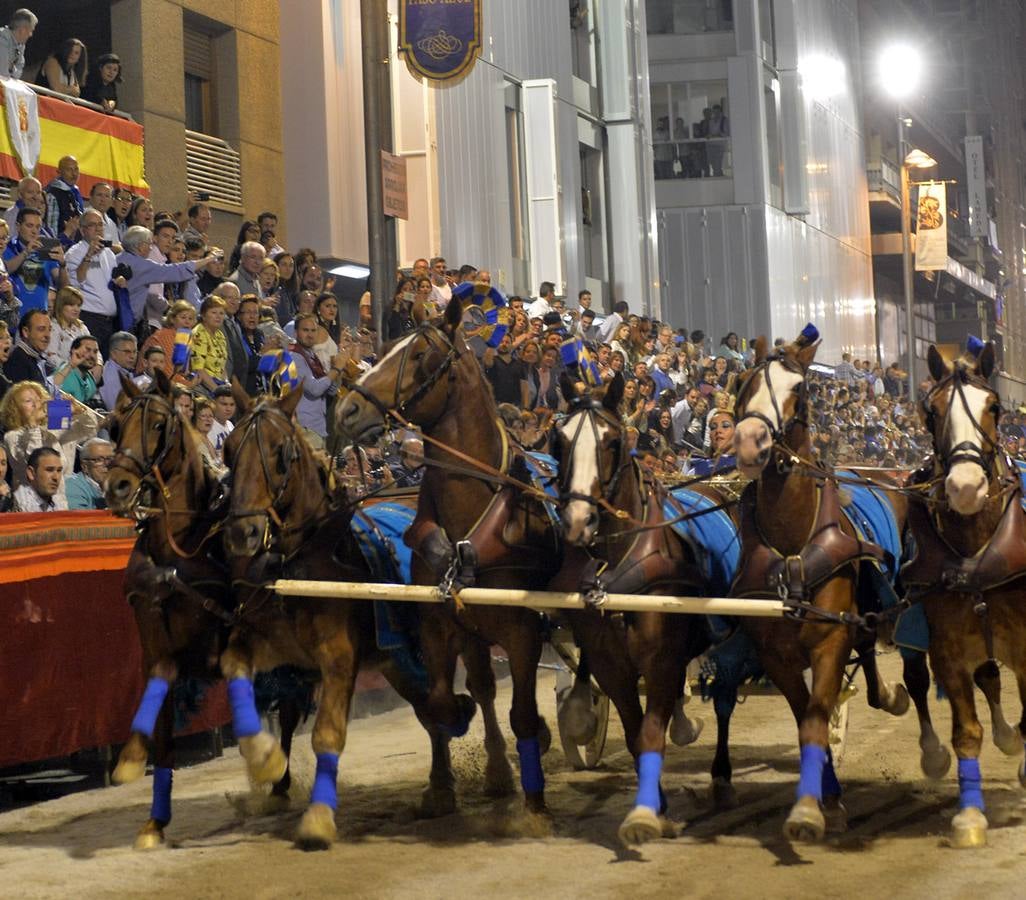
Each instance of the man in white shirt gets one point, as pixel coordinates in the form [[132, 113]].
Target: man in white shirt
[[441, 290], [543, 305], [90, 265], [101, 198], [681, 413], [613, 321], [224, 409], [42, 490]]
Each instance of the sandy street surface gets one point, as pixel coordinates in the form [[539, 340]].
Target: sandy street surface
[[80, 846]]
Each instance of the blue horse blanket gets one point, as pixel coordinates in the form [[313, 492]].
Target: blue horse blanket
[[713, 537]]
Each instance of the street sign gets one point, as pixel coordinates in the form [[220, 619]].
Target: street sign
[[394, 201]]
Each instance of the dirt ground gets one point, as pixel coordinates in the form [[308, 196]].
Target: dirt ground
[[221, 844]]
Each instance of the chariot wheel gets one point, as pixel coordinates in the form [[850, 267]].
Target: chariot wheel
[[586, 756]]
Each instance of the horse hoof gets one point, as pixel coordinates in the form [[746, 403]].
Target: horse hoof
[[317, 828], [544, 736], [641, 825], [275, 803], [684, 731], [900, 702], [534, 804], [577, 720], [835, 816], [499, 780], [969, 829], [264, 757], [935, 761], [128, 770], [723, 794], [1007, 739], [437, 802], [150, 836], [805, 823]]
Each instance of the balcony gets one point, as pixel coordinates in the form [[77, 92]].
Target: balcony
[[884, 181]]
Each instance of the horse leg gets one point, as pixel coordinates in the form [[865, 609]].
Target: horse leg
[[683, 729], [935, 758], [721, 790], [440, 644], [263, 754], [524, 647], [576, 717], [657, 643], [289, 715], [338, 666], [880, 693], [969, 826], [151, 834], [1020, 678], [477, 658], [132, 759], [1006, 737]]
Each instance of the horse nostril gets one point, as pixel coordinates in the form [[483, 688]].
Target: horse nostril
[[763, 456], [121, 488]]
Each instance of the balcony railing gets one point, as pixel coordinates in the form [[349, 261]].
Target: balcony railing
[[689, 16], [884, 178], [694, 158], [214, 168]]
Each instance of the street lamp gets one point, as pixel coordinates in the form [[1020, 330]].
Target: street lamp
[[899, 69]]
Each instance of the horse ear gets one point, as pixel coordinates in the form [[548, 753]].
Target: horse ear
[[985, 361], [567, 386], [242, 400], [419, 313], [761, 346], [129, 388], [939, 367], [614, 393], [290, 401], [162, 382], [807, 354], [453, 316]]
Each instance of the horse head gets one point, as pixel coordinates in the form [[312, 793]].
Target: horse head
[[264, 451], [592, 456], [962, 413], [146, 430], [771, 400], [409, 381]]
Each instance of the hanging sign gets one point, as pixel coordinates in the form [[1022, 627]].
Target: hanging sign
[[976, 185], [395, 197], [932, 227], [441, 39]]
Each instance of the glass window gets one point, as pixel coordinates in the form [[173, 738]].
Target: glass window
[[689, 16], [691, 130]]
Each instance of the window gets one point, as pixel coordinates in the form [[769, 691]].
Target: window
[[199, 76], [689, 16], [582, 40], [691, 130]]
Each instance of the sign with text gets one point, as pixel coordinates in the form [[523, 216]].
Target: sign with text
[[441, 39], [932, 227], [976, 185], [393, 184]]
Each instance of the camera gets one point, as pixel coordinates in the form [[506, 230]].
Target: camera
[[107, 244], [201, 196]]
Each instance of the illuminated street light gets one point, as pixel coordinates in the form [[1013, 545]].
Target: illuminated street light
[[919, 159], [900, 67]]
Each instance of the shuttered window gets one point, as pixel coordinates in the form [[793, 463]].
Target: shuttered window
[[199, 66]]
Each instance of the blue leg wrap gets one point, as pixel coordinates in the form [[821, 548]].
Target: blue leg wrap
[[531, 778], [325, 789], [149, 708], [970, 784], [810, 780], [245, 718], [161, 806], [650, 766], [831, 786]]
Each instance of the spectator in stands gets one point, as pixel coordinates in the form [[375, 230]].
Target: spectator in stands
[[90, 268], [184, 401], [64, 70], [85, 490], [224, 410], [78, 375], [237, 360], [247, 319], [138, 242], [6, 494], [505, 373], [124, 350], [101, 199], [312, 278], [101, 85], [203, 421], [614, 320], [411, 463], [441, 290], [13, 38], [30, 194], [180, 317], [6, 346], [65, 325], [247, 275], [249, 231], [139, 213], [400, 318], [63, 198], [152, 359], [41, 490], [268, 280], [24, 414], [546, 381], [305, 304], [213, 275], [27, 361], [268, 222], [287, 288], [36, 265], [210, 345], [120, 208], [318, 384], [200, 218]]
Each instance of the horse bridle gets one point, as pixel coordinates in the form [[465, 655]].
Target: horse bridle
[[399, 409], [592, 411], [778, 430], [147, 469], [964, 451]]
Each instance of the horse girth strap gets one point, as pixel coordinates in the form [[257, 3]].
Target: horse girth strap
[[1000, 561], [796, 577]]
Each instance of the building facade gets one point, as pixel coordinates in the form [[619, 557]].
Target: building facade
[[761, 183], [537, 165]]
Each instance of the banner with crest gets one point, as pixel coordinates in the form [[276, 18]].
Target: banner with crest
[[441, 39], [932, 227]]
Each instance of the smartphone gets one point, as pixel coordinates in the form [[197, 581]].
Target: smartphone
[[106, 243], [201, 196], [46, 244]]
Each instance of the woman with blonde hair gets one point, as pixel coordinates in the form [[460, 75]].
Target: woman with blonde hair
[[180, 315], [65, 326], [23, 414], [203, 422], [268, 280], [209, 345]]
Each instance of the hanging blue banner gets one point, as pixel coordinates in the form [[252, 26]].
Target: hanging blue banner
[[441, 39]]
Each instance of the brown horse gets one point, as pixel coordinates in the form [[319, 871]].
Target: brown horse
[[177, 585], [810, 557], [431, 378], [600, 480], [970, 562], [284, 521]]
